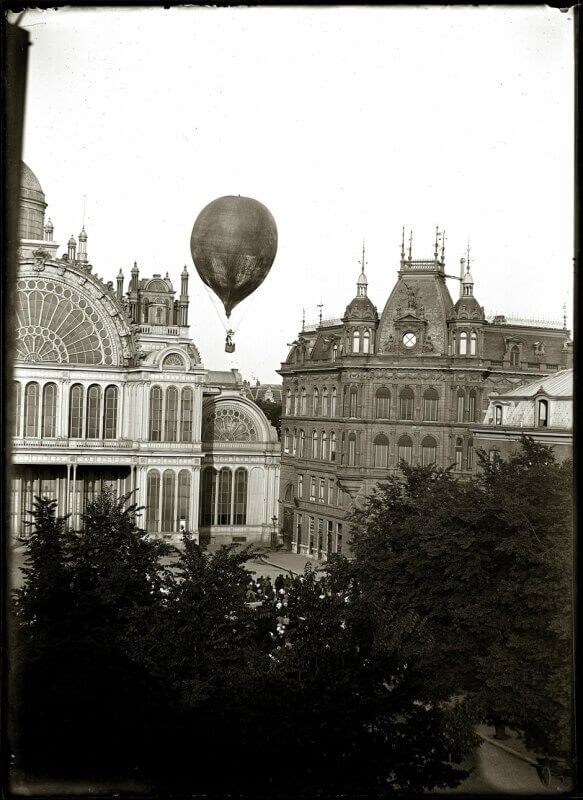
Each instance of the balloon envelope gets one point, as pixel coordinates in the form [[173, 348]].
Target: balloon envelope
[[233, 244]]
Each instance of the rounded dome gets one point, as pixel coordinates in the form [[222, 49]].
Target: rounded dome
[[468, 308], [468, 278], [28, 179], [233, 245], [362, 281], [32, 206], [361, 308]]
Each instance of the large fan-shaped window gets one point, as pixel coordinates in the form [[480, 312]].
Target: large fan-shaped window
[[54, 323]]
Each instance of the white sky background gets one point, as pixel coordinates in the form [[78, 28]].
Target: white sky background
[[347, 123]]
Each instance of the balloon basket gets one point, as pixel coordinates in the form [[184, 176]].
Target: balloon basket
[[229, 348]]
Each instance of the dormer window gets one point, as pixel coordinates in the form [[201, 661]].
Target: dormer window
[[463, 343], [514, 356], [543, 413], [356, 341], [366, 342], [473, 343], [498, 415], [334, 352]]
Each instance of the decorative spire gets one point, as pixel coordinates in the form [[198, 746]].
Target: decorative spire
[[410, 242], [303, 319], [436, 242], [319, 306], [564, 316], [363, 262], [403, 245], [362, 282], [468, 248], [443, 247]]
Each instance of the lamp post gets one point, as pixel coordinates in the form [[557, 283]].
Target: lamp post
[[274, 532]]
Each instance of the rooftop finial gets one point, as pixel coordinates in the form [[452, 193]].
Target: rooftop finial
[[443, 247], [403, 245], [468, 248], [564, 316], [303, 319], [410, 243], [84, 199], [320, 305], [436, 241], [362, 263]]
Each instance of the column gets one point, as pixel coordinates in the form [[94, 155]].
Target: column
[[73, 497], [194, 497], [232, 502]]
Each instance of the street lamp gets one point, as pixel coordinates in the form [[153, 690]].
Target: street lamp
[[274, 532]]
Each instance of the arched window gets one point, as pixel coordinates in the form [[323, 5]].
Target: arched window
[[314, 444], [17, 408], [351, 449], [459, 453], [453, 342], [316, 402], [325, 401], [356, 341], [406, 401], [543, 414], [240, 515], [428, 451], [49, 429], [461, 401], [155, 422], [470, 458], [381, 451], [334, 352], [333, 402], [353, 401], [184, 498], [473, 343], [430, 405], [288, 402], [498, 415], [332, 446], [343, 449], [289, 493], [302, 443], [208, 493], [93, 412], [303, 405], [472, 405], [295, 442], [153, 504], [382, 403], [286, 441], [297, 403], [31, 399], [224, 504], [186, 415], [405, 449], [514, 356], [76, 412], [168, 515], [171, 414], [110, 413], [463, 343], [366, 342], [324, 446]]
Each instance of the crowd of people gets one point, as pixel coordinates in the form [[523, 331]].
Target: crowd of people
[[262, 588]]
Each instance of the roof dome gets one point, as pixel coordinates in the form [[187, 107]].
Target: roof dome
[[362, 281], [32, 206], [467, 307], [361, 307], [28, 179]]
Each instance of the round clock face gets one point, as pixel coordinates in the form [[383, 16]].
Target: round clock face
[[409, 339]]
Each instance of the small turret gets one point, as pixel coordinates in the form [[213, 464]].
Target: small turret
[[119, 287], [83, 245], [183, 301], [49, 231], [361, 283], [71, 249]]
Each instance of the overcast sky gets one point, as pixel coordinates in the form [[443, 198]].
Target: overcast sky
[[347, 123]]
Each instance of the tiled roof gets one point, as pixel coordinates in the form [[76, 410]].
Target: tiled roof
[[560, 384]]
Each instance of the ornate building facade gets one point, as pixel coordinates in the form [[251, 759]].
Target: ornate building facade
[[364, 392], [110, 392]]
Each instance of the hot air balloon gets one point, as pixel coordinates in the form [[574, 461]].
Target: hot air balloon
[[233, 245]]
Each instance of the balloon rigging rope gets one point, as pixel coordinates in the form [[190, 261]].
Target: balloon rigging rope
[[246, 311], [219, 315]]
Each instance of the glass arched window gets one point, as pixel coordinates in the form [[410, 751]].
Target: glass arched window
[[208, 493], [314, 444], [459, 453], [472, 405], [453, 342], [381, 451], [155, 422], [303, 405], [184, 498], [543, 414], [31, 401], [332, 446], [224, 505], [470, 458], [461, 401], [428, 451], [324, 446], [333, 402], [405, 449], [168, 515], [366, 342], [110, 413], [288, 402], [17, 408], [286, 441], [49, 410], [171, 414], [76, 412], [356, 341], [302, 443], [473, 343], [297, 403], [382, 403], [430, 405], [353, 408], [406, 401], [463, 343], [334, 352], [498, 415], [325, 401], [295, 442], [316, 402], [240, 511], [343, 448], [186, 415], [153, 505], [351, 449], [514, 356], [93, 412]]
